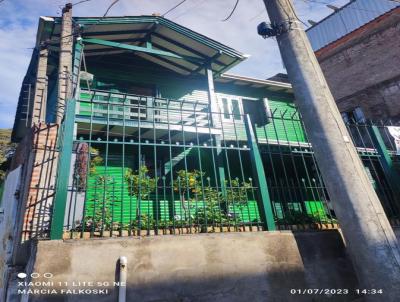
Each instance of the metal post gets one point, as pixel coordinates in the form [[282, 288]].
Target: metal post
[[260, 180], [57, 222], [370, 240], [391, 174], [215, 121]]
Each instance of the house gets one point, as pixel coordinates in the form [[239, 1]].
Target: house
[[138, 128], [357, 48], [132, 127]]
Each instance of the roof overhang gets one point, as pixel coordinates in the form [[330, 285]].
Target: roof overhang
[[256, 83], [190, 52]]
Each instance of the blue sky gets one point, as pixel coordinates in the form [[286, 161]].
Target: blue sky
[[19, 19]]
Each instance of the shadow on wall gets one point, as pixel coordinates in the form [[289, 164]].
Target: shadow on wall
[[326, 264], [232, 267], [240, 288]]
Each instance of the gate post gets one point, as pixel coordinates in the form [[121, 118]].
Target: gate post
[[392, 176], [260, 180], [64, 167]]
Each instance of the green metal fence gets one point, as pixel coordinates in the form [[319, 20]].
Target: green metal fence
[[149, 165], [143, 165]]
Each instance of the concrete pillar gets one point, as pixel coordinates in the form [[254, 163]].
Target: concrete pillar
[[370, 240], [65, 62], [40, 94]]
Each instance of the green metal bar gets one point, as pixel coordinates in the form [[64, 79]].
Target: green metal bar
[[392, 176], [148, 49], [60, 201], [257, 165]]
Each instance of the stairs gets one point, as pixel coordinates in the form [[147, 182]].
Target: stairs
[[174, 161]]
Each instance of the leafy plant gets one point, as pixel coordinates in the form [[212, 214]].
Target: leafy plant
[[100, 211], [298, 217], [140, 183], [145, 222], [188, 185], [95, 160], [236, 193]]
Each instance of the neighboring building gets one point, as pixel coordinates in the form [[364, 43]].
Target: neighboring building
[[280, 77], [358, 47]]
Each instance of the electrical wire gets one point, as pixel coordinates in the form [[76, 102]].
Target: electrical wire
[[258, 15], [289, 18], [197, 4], [173, 8], [79, 2], [78, 33], [233, 10], [108, 9], [295, 14]]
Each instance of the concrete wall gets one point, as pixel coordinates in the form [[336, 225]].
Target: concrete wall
[[362, 68], [259, 266], [8, 215]]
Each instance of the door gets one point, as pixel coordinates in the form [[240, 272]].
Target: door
[[256, 109]]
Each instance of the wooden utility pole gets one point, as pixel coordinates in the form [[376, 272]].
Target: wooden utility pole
[[369, 237]]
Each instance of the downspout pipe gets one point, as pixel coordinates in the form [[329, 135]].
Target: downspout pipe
[[123, 272]]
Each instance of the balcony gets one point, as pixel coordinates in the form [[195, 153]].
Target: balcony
[[103, 114]]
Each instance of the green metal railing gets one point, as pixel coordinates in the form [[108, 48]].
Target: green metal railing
[[145, 165]]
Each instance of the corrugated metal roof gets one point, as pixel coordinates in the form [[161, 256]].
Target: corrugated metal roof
[[350, 17]]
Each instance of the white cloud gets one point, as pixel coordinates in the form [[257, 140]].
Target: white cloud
[[18, 25]]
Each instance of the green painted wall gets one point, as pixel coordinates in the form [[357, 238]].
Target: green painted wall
[[113, 196], [127, 70]]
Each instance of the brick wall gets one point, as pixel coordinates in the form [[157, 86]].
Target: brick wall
[[363, 68], [41, 183]]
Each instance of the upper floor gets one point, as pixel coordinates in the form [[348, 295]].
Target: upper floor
[[147, 72]]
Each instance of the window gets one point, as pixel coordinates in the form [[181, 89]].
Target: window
[[354, 116], [231, 108], [236, 109], [226, 108], [359, 115]]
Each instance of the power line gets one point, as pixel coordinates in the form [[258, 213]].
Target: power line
[[171, 9], [258, 15], [233, 10], [108, 9], [289, 19], [78, 33], [197, 4], [79, 2], [295, 14]]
